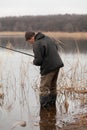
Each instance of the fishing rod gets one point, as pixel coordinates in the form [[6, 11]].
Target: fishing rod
[[17, 51]]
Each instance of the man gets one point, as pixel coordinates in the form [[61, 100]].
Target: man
[[46, 56]]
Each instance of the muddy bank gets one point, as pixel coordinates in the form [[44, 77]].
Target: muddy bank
[[80, 124]]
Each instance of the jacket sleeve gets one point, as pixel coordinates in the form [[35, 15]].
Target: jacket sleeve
[[38, 59]]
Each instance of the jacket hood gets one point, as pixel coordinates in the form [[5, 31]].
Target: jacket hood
[[39, 35]]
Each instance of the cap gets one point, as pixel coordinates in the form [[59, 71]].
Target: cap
[[29, 35]]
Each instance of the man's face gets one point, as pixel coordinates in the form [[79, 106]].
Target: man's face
[[31, 41]]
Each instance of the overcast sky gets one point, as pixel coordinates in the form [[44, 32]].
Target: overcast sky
[[42, 7]]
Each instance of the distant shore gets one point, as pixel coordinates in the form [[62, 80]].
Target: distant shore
[[74, 35]]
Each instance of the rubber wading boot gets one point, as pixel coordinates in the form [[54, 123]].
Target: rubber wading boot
[[48, 110], [48, 100], [52, 99]]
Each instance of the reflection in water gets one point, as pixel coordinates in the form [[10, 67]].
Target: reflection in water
[[48, 118], [69, 46]]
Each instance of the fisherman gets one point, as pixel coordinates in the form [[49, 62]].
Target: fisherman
[[47, 57]]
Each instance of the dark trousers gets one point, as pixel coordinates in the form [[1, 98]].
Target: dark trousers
[[48, 86]]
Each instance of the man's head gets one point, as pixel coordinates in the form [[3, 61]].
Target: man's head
[[29, 36]]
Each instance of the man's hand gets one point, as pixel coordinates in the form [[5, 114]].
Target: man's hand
[[31, 62]]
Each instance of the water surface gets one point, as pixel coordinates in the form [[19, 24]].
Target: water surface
[[19, 82]]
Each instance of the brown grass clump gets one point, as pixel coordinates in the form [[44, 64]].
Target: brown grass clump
[[80, 124], [1, 95], [73, 89]]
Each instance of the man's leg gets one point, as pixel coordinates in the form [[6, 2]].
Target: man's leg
[[53, 88], [44, 90], [48, 98], [48, 88]]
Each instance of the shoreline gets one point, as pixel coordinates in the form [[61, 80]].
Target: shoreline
[[73, 35]]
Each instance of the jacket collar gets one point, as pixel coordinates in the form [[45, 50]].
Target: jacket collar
[[39, 36]]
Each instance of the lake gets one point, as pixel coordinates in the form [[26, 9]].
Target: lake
[[19, 84]]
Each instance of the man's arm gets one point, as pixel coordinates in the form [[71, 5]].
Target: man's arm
[[37, 55]]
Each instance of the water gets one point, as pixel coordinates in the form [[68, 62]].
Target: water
[[19, 82], [17, 76]]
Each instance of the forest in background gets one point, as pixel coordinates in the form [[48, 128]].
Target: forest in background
[[53, 23]]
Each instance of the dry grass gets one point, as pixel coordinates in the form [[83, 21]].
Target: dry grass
[[3, 34], [80, 124], [74, 35]]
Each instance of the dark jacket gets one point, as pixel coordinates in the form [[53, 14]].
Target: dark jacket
[[46, 54]]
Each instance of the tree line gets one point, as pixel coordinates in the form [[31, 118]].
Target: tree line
[[63, 23]]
